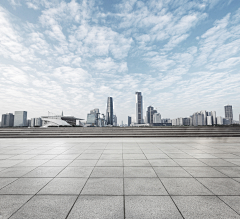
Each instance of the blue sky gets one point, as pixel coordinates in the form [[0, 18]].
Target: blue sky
[[184, 56]]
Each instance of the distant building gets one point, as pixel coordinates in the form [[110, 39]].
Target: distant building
[[109, 111], [186, 121], [209, 120], [7, 120], [227, 121], [205, 114], [139, 108], [129, 120], [156, 118], [214, 117], [228, 113], [115, 120], [198, 119], [92, 117], [38, 122], [20, 119], [29, 122], [32, 122], [219, 120]]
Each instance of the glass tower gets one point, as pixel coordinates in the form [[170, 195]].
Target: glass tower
[[228, 113], [139, 108], [109, 111]]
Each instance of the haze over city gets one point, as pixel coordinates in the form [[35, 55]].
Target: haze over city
[[71, 55]]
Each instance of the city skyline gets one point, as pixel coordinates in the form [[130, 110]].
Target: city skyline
[[58, 55]]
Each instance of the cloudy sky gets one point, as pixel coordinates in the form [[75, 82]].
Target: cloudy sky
[[184, 56]]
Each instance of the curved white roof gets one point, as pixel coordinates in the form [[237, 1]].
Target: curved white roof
[[55, 122]]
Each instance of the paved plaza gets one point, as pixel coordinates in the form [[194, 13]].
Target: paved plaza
[[120, 178]]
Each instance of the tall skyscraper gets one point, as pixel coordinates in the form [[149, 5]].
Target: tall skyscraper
[[228, 113], [129, 120], [139, 108], [149, 114], [156, 118], [7, 120], [20, 118], [109, 111], [114, 120]]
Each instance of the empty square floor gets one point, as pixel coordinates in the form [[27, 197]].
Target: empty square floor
[[120, 178]]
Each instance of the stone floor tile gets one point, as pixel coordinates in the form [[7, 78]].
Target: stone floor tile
[[5, 181], [184, 186], [16, 171], [105, 207], [57, 163], [25, 186], [221, 186], [11, 203], [204, 172], [107, 172], [32, 163], [10, 163], [146, 207], [143, 186], [216, 162], [89, 157], [163, 163], [189, 162], [171, 172], [204, 207], [64, 186], [75, 172], [110, 163], [111, 157], [40, 172], [83, 163], [139, 172], [46, 207], [179, 155], [232, 201], [156, 156], [134, 156], [103, 186], [136, 163], [229, 171]]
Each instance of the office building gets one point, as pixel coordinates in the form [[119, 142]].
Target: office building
[[149, 114], [205, 114], [32, 122], [209, 120], [38, 122], [20, 119], [219, 120], [92, 117], [7, 120], [109, 111], [214, 117], [139, 108], [156, 118], [129, 120], [114, 120], [186, 121], [198, 119], [228, 113]]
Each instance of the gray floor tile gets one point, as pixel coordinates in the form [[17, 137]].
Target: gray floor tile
[[46, 207], [134, 156], [64, 186], [184, 186], [216, 162], [232, 201], [5, 181], [111, 157], [83, 163], [57, 163], [44, 172], [189, 162], [203, 207], [25, 186], [32, 163], [89, 157], [203, 172], [156, 156], [105, 207], [163, 163], [143, 186], [139, 172], [136, 163], [76, 172], [110, 163], [10, 163], [229, 171], [179, 155], [107, 172], [234, 161], [16, 171], [146, 207], [11, 203], [171, 172], [221, 186], [103, 186]]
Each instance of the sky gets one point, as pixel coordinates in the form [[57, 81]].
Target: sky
[[184, 56]]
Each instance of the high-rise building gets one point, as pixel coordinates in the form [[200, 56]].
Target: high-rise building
[[129, 120], [197, 119], [214, 117], [114, 120], [156, 118], [92, 117], [7, 120], [139, 108], [205, 114], [209, 120], [109, 111], [228, 113], [38, 122], [32, 122], [149, 114], [219, 120], [20, 119]]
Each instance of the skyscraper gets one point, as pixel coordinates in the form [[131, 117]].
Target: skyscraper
[[129, 120], [228, 113], [109, 111], [139, 108], [7, 120], [156, 118], [20, 118], [149, 114]]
